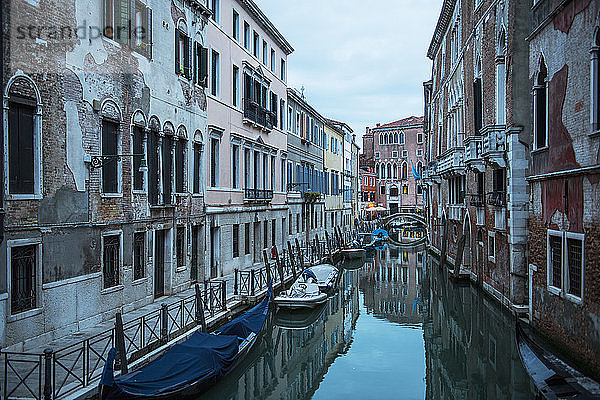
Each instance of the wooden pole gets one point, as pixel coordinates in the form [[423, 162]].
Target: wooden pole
[[291, 257], [300, 255], [121, 359], [200, 320], [266, 259], [279, 268]]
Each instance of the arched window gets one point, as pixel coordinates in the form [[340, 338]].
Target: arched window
[[380, 172], [404, 170], [23, 137], [389, 171], [501, 79], [396, 137], [395, 171], [540, 105], [401, 137], [419, 168], [394, 191], [381, 138]]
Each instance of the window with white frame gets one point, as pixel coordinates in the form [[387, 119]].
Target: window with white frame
[[377, 155], [265, 49], [235, 165], [419, 153], [290, 119], [492, 246], [110, 150], [215, 7], [215, 87], [283, 72], [235, 87], [394, 154], [404, 153], [236, 25], [214, 162], [565, 263], [273, 58]]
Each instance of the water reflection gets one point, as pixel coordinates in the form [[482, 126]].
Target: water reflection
[[470, 344], [396, 328]]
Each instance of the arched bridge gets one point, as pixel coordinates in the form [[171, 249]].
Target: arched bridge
[[416, 217]]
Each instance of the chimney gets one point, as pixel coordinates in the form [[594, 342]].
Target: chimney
[[378, 124]]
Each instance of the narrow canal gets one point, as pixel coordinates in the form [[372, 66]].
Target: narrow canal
[[398, 328]]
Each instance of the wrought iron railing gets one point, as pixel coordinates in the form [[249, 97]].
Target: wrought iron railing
[[477, 200], [259, 115], [258, 194], [497, 199]]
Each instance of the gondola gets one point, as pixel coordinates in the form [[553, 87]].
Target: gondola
[[191, 367], [552, 377]]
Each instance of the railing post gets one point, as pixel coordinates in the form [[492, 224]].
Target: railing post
[[224, 295], [48, 353], [206, 294], [252, 282], [300, 255], [235, 281], [121, 356], [266, 259], [164, 323], [200, 320], [279, 268]]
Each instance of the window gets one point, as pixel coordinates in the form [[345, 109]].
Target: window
[[246, 36], [139, 259], [21, 148], [402, 138], [404, 153], [256, 45], [247, 238], [235, 165], [24, 280], [167, 169], [153, 167], [110, 139], [492, 246], [197, 166], [216, 10], [404, 171], [180, 246], [236, 26], [420, 138], [283, 71], [394, 154], [419, 153], [377, 155], [500, 80], [214, 162], [273, 58], [201, 65], [540, 106], [282, 114], [595, 83], [235, 100], [565, 260], [265, 234], [180, 146], [404, 189], [120, 16], [138, 149], [265, 54], [111, 260], [273, 232], [477, 106], [215, 74], [182, 54], [272, 175], [236, 240], [382, 190]]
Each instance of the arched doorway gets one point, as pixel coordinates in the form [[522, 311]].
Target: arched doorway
[[467, 233]]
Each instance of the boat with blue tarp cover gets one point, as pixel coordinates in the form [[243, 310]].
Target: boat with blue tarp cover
[[189, 368]]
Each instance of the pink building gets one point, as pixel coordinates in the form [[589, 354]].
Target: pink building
[[397, 151]]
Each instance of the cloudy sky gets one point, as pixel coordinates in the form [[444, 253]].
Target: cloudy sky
[[360, 62]]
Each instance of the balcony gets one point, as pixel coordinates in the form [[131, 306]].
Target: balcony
[[452, 162], [477, 200], [455, 212], [258, 195], [258, 116], [430, 174], [497, 199], [473, 150], [494, 145]]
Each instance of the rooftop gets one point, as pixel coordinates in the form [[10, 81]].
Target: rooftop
[[401, 123]]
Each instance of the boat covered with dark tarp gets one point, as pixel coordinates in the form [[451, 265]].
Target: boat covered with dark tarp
[[190, 367]]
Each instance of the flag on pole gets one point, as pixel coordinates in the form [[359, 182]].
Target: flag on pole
[[415, 174]]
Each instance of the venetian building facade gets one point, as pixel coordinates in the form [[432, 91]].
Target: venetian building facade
[[398, 148], [103, 148], [307, 181], [246, 143], [563, 227], [334, 169], [476, 111]]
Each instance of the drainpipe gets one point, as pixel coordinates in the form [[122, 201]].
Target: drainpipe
[[2, 127]]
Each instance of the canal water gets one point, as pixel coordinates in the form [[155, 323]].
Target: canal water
[[397, 328]]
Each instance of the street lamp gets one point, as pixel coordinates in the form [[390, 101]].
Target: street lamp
[[101, 161]]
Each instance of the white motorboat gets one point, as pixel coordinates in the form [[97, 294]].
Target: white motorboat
[[325, 275], [304, 293]]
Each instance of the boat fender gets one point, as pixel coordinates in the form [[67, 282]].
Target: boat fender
[[107, 379]]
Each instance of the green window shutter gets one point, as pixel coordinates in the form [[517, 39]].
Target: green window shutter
[[177, 66], [204, 66]]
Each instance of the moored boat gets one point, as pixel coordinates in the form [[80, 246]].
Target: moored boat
[[325, 275], [189, 368], [354, 253], [304, 293], [553, 378]]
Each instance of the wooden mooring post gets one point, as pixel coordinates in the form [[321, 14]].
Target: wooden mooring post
[[121, 356], [200, 320], [291, 258], [300, 256], [267, 266], [279, 267], [48, 353], [328, 247]]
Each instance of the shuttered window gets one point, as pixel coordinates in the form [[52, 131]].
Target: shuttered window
[[21, 148], [138, 148], [110, 138], [180, 146]]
